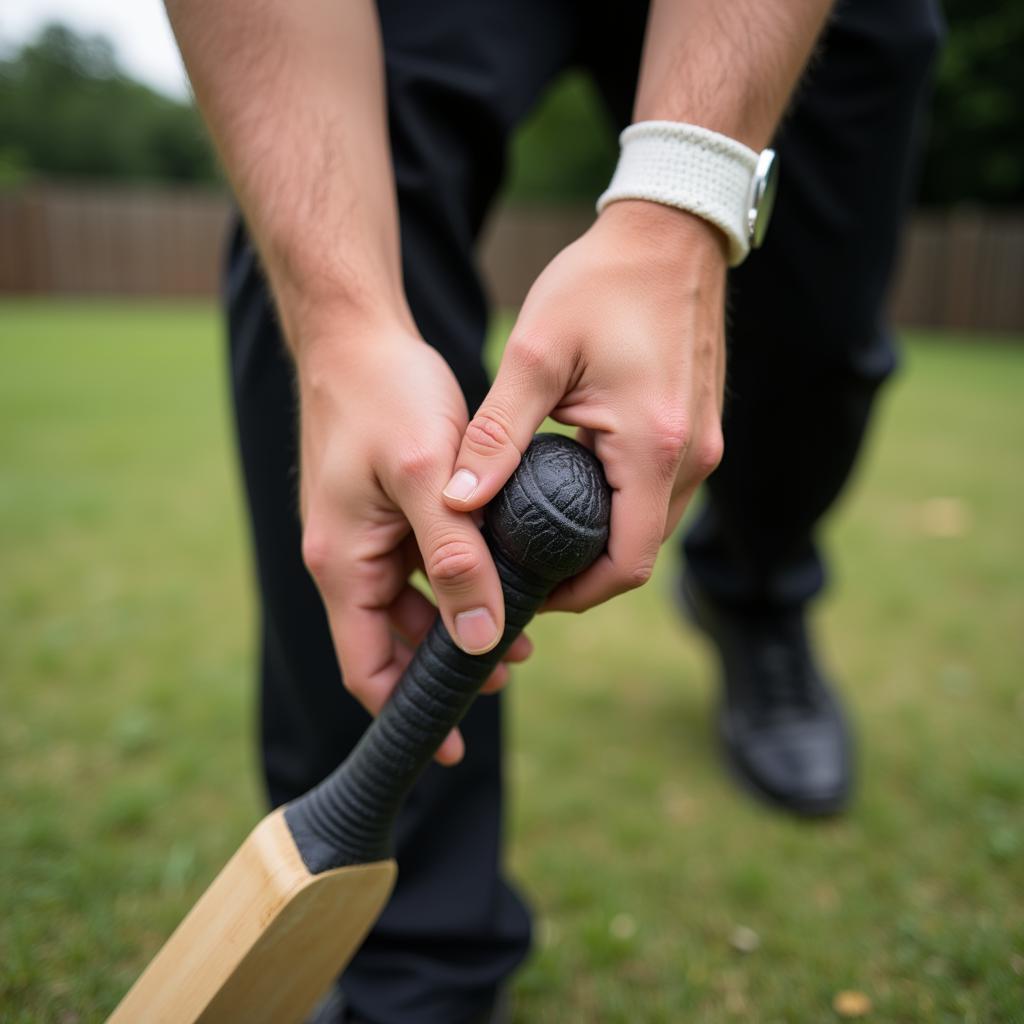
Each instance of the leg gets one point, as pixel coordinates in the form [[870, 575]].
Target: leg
[[808, 351], [458, 79], [808, 346], [808, 343]]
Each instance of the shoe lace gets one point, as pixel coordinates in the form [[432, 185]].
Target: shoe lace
[[785, 676]]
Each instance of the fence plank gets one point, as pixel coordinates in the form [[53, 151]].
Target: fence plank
[[960, 269]]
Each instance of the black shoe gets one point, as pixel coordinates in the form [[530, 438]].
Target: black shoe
[[332, 1010], [781, 724]]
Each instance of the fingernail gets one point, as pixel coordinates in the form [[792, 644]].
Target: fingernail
[[461, 486], [476, 630]]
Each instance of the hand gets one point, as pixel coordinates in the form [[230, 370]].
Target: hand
[[621, 336], [381, 421]]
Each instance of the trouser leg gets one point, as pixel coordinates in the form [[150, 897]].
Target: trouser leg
[[460, 74], [808, 341]]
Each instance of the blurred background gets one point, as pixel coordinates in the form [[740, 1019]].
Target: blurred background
[[127, 768]]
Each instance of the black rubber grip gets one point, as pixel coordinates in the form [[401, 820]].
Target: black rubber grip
[[548, 523]]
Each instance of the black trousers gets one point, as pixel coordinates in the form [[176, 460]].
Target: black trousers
[[808, 351]]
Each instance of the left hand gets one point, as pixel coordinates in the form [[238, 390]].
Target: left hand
[[622, 336]]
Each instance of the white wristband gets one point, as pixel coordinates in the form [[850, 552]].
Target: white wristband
[[700, 171]]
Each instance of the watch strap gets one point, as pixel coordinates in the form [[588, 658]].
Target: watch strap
[[692, 168]]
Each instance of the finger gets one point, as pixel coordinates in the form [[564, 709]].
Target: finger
[[638, 513], [356, 593], [452, 750], [359, 602], [494, 682], [371, 660], [525, 390], [412, 614], [700, 462], [457, 564], [676, 510], [497, 680], [520, 650], [371, 670], [679, 501], [453, 747]]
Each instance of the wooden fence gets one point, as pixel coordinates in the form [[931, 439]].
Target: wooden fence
[[124, 241], [962, 269]]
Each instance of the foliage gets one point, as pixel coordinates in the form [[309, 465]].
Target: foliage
[[976, 143], [974, 149], [127, 771], [566, 151], [67, 111]]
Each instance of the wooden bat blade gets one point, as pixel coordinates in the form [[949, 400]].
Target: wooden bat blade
[[264, 942], [294, 903]]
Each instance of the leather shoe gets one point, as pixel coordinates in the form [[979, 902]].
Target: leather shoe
[[781, 724], [332, 1010]]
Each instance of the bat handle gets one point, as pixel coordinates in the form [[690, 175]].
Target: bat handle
[[548, 523]]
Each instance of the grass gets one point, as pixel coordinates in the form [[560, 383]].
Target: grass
[[127, 769]]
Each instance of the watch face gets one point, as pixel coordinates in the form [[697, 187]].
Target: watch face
[[762, 196]]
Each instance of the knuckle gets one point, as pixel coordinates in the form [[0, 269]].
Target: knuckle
[[529, 353], [316, 551], [670, 435], [489, 433], [416, 462], [709, 453], [638, 574], [453, 564]]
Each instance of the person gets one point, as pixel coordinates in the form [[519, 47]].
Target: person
[[365, 145]]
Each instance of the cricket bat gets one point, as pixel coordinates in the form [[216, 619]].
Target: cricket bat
[[292, 906]]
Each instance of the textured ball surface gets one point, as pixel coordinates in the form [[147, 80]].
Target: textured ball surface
[[552, 516]]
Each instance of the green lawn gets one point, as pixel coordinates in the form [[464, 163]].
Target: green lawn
[[127, 771]]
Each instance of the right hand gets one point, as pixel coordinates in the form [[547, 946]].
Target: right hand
[[382, 417]]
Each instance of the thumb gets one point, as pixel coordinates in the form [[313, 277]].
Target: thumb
[[521, 397], [461, 573]]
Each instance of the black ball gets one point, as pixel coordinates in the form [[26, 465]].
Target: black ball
[[552, 516]]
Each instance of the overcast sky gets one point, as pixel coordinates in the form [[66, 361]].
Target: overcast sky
[[138, 29]]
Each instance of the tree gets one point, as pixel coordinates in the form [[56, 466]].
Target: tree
[[67, 111], [566, 151], [975, 149]]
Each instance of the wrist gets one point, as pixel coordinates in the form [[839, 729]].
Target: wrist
[[323, 294], [323, 314], [703, 172], [334, 341], [340, 324], [665, 233]]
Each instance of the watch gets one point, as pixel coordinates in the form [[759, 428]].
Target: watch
[[701, 171]]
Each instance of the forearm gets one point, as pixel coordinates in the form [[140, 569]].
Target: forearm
[[623, 334], [293, 94], [729, 66]]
